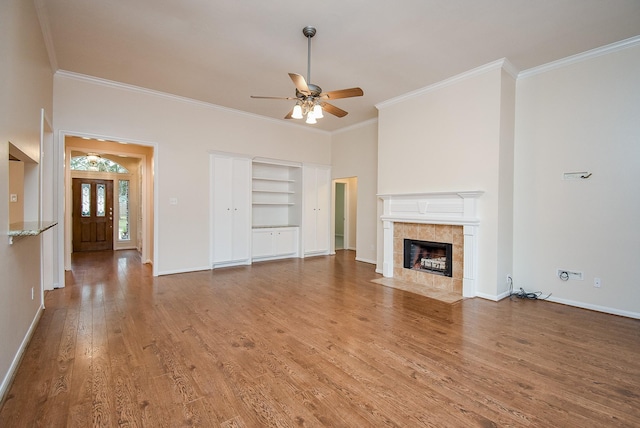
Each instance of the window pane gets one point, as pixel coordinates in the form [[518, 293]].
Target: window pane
[[123, 200], [83, 163], [100, 196], [86, 200]]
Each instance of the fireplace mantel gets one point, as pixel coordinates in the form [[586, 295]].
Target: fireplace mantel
[[455, 208]]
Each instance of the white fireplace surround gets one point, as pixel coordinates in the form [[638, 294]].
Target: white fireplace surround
[[453, 208]]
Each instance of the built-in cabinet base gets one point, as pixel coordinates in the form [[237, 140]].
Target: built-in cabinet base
[[275, 243]]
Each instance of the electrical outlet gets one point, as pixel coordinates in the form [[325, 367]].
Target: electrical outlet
[[509, 278], [566, 274], [32, 295], [597, 282]]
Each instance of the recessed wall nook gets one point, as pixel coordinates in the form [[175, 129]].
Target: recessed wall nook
[[444, 221]]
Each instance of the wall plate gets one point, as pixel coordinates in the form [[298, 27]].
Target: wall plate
[[566, 274]]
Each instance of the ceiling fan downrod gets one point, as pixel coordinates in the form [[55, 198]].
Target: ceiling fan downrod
[[309, 32]]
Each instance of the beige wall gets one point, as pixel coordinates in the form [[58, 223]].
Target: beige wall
[[352, 201], [354, 153], [182, 132], [16, 187], [26, 88], [457, 136], [580, 116]]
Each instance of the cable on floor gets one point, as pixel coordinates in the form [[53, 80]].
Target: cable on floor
[[524, 294]]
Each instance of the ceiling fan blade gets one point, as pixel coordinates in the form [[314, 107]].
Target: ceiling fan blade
[[342, 93], [300, 83], [288, 116], [274, 98], [330, 108]]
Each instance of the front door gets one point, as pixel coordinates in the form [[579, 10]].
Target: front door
[[92, 214]]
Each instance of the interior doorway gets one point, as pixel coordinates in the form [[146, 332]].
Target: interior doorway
[[132, 194], [345, 210]]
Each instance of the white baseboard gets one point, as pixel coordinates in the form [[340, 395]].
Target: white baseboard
[[598, 308], [187, 270], [491, 297], [582, 305], [8, 378], [360, 259]]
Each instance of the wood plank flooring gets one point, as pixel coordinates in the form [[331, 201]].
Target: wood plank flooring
[[312, 342]]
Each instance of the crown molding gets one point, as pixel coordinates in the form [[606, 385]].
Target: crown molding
[[495, 65], [41, 12], [573, 59], [355, 126], [140, 90]]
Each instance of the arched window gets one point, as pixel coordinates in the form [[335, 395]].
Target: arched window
[[92, 162]]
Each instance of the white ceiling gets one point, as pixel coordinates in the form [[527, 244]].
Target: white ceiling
[[222, 52]]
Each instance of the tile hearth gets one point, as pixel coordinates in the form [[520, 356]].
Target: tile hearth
[[412, 287]]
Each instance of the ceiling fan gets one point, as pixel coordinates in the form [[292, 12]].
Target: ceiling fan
[[310, 100]]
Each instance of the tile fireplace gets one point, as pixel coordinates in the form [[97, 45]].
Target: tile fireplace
[[447, 225]]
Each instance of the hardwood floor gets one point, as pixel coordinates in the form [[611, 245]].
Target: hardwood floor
[[312, 342]]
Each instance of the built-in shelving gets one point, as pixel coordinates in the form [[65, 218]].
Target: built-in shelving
[[276, 194]]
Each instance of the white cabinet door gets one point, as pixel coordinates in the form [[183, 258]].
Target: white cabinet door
[[323, 220], [317, 203], [241, 197], [286, 241], [231, 209], [274, 243], [262, 244]]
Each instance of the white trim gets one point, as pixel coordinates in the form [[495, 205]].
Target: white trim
[[183, 270], [269, 161], [355, 126], [573, 59], [8, 378], [510, 68], [598, 308], [230, 154], [138, 89], [499, 64], [372, 262], [486, 296], [45, 27]]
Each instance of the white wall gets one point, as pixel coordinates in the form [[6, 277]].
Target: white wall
[[26, 88], [454, 136], [184, 132], [354, 153], [582, 116]]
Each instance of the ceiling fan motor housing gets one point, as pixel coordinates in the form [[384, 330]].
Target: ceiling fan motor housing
[[314, 89]]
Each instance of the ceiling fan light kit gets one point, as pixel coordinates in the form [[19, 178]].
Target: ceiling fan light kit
[[310, 100]]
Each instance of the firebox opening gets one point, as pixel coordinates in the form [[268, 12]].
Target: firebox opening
[[426, 256]]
